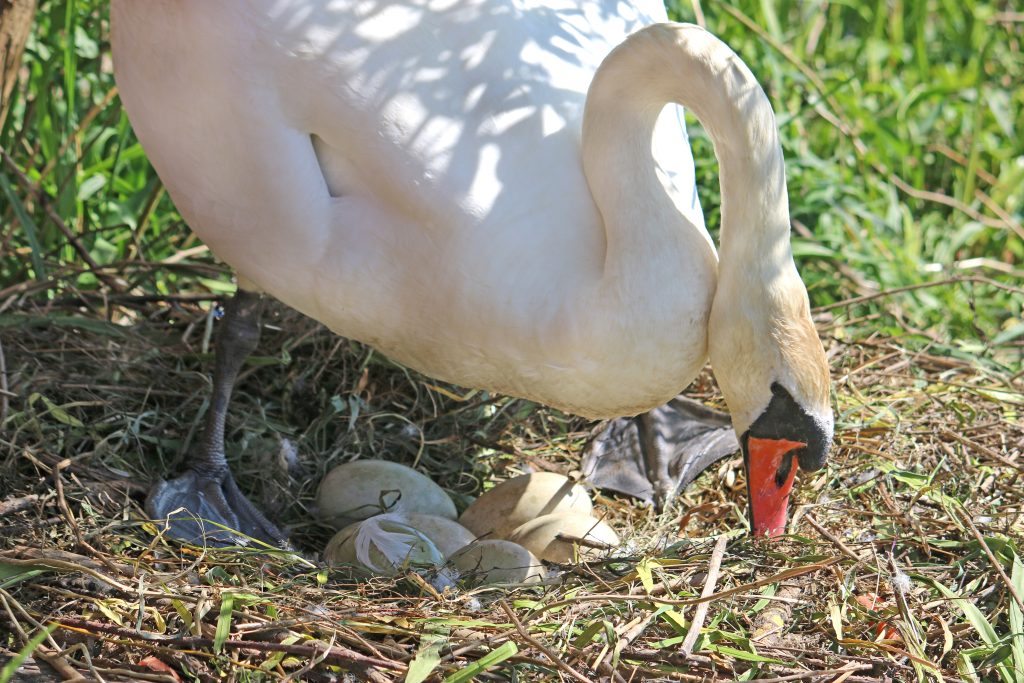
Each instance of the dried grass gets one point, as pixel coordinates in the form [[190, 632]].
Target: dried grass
[[922, 501]]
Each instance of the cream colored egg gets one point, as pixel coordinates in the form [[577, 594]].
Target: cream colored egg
[[498, 512], [448, 535], [554, 538], [364, 488], [383, 544], [497, 561]]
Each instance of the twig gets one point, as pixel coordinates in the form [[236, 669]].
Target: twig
[[714, 564], [551, 654], [338, 655], [61, 566], [956, 279], [62, 503], [17, 504], [984, 450], [835, 539], [844, 672]]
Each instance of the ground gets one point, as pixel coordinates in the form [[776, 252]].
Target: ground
[[920, 506]]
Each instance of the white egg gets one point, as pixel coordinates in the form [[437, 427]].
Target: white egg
[[448, 535], [566, 537], [497, 561], [498, 512], [363, 488], [383, 544]]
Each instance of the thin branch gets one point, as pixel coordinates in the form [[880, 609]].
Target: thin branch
[[920, 285], [714, 564]]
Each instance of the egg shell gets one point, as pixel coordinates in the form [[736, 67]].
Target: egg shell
[[382, 544], [499, 511], [497, 561], [361, 489], [448, 535], [541, 537]]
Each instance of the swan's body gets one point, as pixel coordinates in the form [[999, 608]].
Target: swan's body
[[432, 178], [461, 239]]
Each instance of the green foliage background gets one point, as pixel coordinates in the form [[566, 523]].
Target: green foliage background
[[901, 123]]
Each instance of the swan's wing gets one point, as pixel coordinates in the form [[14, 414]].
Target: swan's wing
[[239, 162]]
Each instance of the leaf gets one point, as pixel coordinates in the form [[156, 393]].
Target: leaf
[[1017, 617], [643, 571], [12, 574], [227, 604], [91, 186], [743, 654], [496, 656], [85, 45], [1008, 335], [1000, 106], [159, 666], [28, 226], [183, 614], [836, 615], [56, 411], [587, 635], [947, 637], [973, 615], [1000, 396], [107, 608], [675, 620], [427, 657]]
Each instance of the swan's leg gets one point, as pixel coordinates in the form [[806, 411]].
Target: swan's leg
[[655, 455], [205, 499]]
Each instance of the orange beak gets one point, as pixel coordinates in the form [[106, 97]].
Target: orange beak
[[769, 497]]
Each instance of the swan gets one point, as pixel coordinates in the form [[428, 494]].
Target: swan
[[496, 193]]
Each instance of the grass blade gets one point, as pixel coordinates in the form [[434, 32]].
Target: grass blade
[[1016, 619], [11, 668], [28, 225], [227, 604], [492, 658]]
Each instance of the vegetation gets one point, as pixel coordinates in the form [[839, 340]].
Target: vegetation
[[901, 123]]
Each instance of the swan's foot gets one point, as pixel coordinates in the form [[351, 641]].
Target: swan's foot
[[210, 510], [655, 455], [204, 505]]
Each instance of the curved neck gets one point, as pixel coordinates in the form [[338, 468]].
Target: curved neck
[[684, 64]]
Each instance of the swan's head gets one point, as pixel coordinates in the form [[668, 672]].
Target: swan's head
[[770, 364]]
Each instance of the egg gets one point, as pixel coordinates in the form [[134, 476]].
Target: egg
[[514, 502], [448, 535], [382, 544], [363, 488], [496, 561], [551, 537]]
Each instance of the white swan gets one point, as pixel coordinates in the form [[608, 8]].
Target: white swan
[[468, 187]]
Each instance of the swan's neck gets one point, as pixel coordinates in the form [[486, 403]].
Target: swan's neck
[[684, 64]]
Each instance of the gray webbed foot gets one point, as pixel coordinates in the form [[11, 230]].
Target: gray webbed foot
[[204, 505], [655, 455], [205, 510]]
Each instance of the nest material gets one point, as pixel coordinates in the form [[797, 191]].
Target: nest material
[[898, 548]]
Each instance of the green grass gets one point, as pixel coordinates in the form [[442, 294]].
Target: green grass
[[905, 158], [901, 123]]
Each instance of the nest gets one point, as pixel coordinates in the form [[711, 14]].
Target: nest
[[903, 560]]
